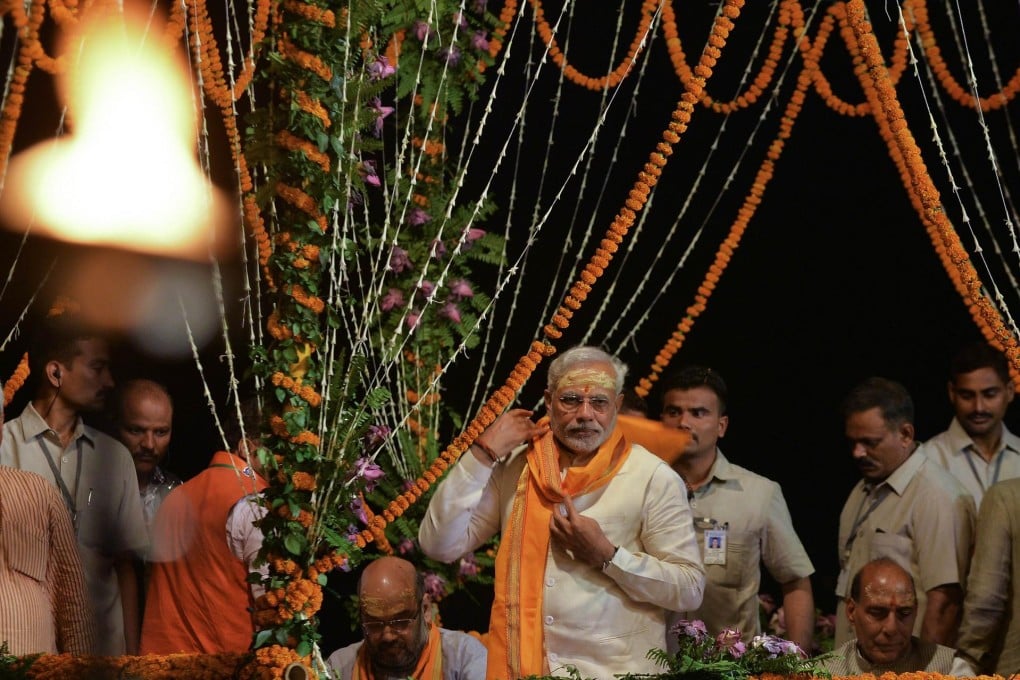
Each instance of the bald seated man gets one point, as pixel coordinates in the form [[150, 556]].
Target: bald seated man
[[145, 416], [881, 610], [401, 640]]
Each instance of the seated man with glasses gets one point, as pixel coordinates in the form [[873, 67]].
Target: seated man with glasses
[[400, 639], [596, 541]]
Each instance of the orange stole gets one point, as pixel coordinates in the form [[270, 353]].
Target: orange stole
[[668, 443], [430, 663], [516, 642]]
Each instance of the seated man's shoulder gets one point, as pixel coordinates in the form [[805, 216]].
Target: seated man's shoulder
[[341, 662], [464, 655]]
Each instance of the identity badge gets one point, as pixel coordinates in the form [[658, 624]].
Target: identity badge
[[715, 546]]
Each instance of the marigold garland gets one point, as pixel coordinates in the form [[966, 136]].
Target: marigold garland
[[812, 54], [648, 9], [17, 379], [881, 93]]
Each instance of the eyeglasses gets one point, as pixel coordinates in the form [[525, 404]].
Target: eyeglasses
[[572, 402], [396, 625]]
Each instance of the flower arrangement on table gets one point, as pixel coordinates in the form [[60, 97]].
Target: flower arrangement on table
[[726, 656]]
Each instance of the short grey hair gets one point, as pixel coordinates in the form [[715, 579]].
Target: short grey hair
[[584, 354]]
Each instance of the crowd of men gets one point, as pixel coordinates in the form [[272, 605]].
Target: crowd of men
[[611, 528]]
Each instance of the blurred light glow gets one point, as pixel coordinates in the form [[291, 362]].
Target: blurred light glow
[[126, 176]]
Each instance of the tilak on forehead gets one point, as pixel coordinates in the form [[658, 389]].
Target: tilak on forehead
[[587, 377], [386, 604], [898, 589]]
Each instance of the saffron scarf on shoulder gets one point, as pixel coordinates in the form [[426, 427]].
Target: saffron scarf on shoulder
[[430, 663], [516, 646]]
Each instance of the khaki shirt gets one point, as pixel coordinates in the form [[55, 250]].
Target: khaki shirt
[[922, 657], [759, 531], [105, 493], [990, 632], [920, 517], [954, 450]]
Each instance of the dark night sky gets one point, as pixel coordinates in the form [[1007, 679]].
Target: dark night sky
[[835, 279]]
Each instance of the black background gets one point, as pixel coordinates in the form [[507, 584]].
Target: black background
[[835, 279]]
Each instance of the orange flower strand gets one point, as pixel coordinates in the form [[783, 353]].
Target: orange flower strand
[[949, 83], [305, 392], [292, 142], [924, 196], [648, 9], [506, 17], [746, 211], [28, 33], [305, 60], [17, 379], [309, 12]]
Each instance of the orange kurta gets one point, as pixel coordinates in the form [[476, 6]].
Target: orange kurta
[[199, 600]]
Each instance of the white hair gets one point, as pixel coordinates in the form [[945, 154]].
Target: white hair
[[584, 354]]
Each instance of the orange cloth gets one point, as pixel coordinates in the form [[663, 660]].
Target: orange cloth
[[516, 645], [665, 442], [430, 663], [199, 599]]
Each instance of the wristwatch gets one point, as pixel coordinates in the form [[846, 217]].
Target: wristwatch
[[605, 565]]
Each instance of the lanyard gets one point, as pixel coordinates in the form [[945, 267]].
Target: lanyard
[[69, 500], [881, 493], [967, 453]]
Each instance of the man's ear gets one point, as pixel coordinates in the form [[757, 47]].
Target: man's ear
[[54, 373], [851, 609]]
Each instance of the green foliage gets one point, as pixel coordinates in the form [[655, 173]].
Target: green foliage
[[14, 667], [725, 657], [342, 106]]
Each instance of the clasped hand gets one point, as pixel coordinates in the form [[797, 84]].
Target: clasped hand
[[581, 535]]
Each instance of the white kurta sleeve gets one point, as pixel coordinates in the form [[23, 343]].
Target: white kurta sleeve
[[663, 566], [464, 511]]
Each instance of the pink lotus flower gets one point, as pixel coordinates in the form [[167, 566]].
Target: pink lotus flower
[[468, 566], [393, 298], [359, 511], [406, 546], [426, 287], [367, 172], [399, 261], [369, 471], [459, 20], [451, 54], [412, 320], [461, 289], [381, 113], [422, 30], [375, 436], [380, 68], [418, 217], [435, 586], [480, 42], [471, 236], [451, 312]]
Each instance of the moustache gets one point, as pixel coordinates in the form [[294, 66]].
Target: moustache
[[583, 428]]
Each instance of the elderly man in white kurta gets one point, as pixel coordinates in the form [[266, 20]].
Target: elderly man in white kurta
[[597, 542]]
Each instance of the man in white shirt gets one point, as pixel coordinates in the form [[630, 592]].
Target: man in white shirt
[[93, 472], [596, 537], [977, 448]]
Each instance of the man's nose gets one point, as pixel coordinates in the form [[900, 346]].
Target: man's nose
[[585, 410], [858, 450], [149, 440]]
